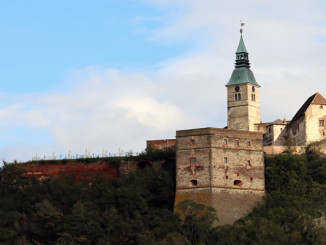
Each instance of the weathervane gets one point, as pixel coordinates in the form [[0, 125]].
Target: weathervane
[[241, 25]]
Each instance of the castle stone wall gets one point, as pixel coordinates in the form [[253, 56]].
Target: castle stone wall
[[216, 167]]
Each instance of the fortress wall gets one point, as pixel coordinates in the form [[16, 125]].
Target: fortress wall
[[229, 170]]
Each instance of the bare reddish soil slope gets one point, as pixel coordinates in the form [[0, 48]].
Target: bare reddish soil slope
[[81, 170]]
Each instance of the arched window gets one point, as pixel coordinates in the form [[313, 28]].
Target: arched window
[[237, 183], [235, 97], [239, 96]]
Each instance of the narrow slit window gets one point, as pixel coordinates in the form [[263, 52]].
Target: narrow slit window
[[237, 142], [239, 96], [225, 160], [235, 97], [192, 142], [248, 163], [193, 160], [225, 142]]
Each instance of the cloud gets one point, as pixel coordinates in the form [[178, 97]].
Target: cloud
[[103, 107]]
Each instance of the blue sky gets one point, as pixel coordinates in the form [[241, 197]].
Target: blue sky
[[42, 40], [110, 74]]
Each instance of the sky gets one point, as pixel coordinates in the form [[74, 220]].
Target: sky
[[107, 75]]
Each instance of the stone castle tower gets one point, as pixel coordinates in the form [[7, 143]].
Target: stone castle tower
[[224, 168], [243, 93]]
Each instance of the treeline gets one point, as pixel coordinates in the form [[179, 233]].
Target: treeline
[[138, 209]]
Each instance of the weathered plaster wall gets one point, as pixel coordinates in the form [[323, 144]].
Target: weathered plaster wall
[[314, 132], [297, 131]]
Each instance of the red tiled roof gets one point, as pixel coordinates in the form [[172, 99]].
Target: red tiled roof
[[316, 99]]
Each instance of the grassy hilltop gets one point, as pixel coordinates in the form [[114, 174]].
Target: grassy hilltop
[[138, 209]]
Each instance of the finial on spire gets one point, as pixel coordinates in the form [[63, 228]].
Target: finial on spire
[[241, 25]]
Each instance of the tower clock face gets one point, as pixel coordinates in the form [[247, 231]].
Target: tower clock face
[[237, 88]]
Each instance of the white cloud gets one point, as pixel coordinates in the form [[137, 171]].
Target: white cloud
[[109, 108]]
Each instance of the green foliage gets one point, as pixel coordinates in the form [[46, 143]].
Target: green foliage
[[197, 220], [138, 209]]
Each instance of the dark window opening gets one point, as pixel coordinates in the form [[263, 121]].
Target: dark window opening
[[192, 142], [269, 130], [321, 107], [321, 123], [225, 159], [193, 182], [237, 142], [225, 142], [238, 174], [193, 159], [248, 163], [248, 143], [237, 182], [251, 179], [237, 88], [226, 177], [323, 133], [239, 96], [235, 97], [253, 89]]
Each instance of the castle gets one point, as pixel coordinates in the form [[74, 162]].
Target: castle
[[224, 168]]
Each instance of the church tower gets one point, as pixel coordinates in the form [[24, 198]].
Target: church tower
[[243, 93]]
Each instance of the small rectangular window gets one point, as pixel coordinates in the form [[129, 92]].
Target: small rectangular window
[[236, 142], [225, 160], [248, 143], [192, 142], [193, 182], [248, 163], [192, 159], [225, 142], [321, 123]]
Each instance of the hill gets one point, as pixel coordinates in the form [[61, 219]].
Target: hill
[[138, 208]]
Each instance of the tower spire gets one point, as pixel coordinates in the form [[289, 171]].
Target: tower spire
[[242, 56]]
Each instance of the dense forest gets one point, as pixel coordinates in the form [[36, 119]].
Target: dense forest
[[138, 208]]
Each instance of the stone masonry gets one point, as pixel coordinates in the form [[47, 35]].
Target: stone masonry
[[221, 168]]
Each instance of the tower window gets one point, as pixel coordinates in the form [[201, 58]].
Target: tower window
[[321, 123], [321, 107], [253, 97], [226, 177], [236, 142], [253, 89], [251, 179], [225, 160], [225, 142], [239, 96], [270, 130], [193, 182], [192, 142], [237, 88], [192, 159], [235, 97], [248, 163], [248, 143]]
